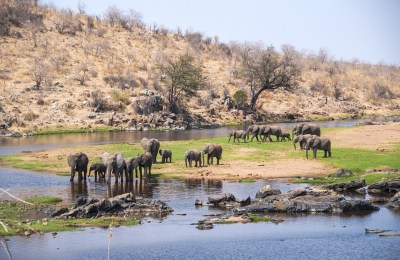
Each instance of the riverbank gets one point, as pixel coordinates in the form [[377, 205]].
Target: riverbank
[[361, 148]]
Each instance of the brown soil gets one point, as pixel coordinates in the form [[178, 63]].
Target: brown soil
[[373, 137]]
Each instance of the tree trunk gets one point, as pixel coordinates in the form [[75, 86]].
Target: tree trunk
[[255, 97]]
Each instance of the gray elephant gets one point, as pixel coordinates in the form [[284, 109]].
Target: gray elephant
[[115, 163], [254, 130], [152, 146], [238, 134], [132, 164], [271, 130], [166, 155], [318, 143], [285, 136], [99, 169], [303, 129], [302, 140], [145, 161], [193, 155], [78, 163], [212, 150]]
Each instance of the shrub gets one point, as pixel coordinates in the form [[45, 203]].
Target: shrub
[[120, 97], [240, 98], [380, 91], [98, 101], [146, 105], [30, 116], [121, 81]]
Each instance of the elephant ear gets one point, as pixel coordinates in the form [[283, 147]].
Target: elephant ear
[[105, 157], [210, 148], [316, 142]]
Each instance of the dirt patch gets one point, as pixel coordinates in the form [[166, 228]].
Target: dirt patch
[[289, 168], [372, 137]]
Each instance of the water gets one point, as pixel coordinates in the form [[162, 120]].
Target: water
[[311, 236], [34, 143]]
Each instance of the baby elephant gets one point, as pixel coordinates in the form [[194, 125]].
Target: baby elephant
[[193, 155], [165, 155], [284, 136], [99, 169], [318, 143]]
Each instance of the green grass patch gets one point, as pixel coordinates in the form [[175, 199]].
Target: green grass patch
[[259, 218], [50, 200], [247, 181], [76, 131], [369, 179]]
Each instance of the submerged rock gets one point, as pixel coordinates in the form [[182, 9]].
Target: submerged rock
[[342, 173], [267, 191], [394, 202], [226, 197]]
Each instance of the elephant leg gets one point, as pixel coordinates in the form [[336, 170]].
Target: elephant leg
[[150, 170], [95, 175], [325, 152], [72, 175], [315, 152], [269, 138], [329, 153], [212, 159], [80, 175], [257, 137], [217, 160], [84, 174]]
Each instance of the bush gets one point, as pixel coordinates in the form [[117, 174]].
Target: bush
[[30, 116], [121, 81], [146, 105], [120, 97], [380, 91], [240, 98], [98, 101]]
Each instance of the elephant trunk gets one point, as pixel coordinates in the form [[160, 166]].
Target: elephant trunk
[[294, 144], [307, 152], [108, 174], [229, 138], [186, 159]]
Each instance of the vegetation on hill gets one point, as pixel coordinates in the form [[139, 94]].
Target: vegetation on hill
[[59, 68]]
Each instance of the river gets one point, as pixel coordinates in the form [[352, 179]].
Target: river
[[311, 236]]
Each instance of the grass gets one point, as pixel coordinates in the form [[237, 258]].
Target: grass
[[259, 218], [76, 130], [247, 181], [49, 200], [356, 160], [15, 217]]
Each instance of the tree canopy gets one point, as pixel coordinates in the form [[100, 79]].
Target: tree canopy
[[267, 69], [183, 76]]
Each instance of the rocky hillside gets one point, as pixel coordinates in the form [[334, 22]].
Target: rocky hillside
[[60, 69]]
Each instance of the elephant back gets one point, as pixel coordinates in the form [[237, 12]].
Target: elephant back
[[145, 143], [217, 150]]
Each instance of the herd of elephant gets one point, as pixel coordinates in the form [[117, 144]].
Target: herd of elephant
[[124, 167], [307, 135]]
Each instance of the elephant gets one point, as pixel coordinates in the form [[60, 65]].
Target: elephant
[[272, 130], [302, 129], [145, 161], [99, 169], [78, 163], [212, 150], [165, 155], [284, 136], [319, 143], [253, 129], [302, 140], [152, 146], [191, 155], [114, 163], [132, 164], [238, 134]]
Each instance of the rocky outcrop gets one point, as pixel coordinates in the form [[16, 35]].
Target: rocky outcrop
[[342, 173], [126, 204], [306, 200], [394, 202], [352, 185], [385, 186], [267, 191]]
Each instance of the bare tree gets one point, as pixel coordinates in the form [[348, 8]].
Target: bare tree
[[81, 7], [183, 78], [113, 15], [40, 72], [84, 73], [65, 22], [267, 69]]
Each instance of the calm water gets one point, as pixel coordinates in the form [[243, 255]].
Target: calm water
[[310, 236]]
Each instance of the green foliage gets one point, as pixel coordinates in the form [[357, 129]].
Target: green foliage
[[369, 179], [259, 218], [247, 181], [184, 77], [240, 97], [76, 131], [118, 96], [50, 200]]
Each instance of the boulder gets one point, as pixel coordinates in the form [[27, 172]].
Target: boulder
[[394, 202], [267, 191], [352, 185], [226, 197], [385, 186], [342, 173]]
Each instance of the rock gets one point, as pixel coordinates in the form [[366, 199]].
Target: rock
[[267, 191], [226, 197], [352, 185], [59, 212], [205, 226], [385, 186], [245, 202], [394, 202], [342, 173], [125, 204], [361, 190], [377, 200], [306, 201]]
